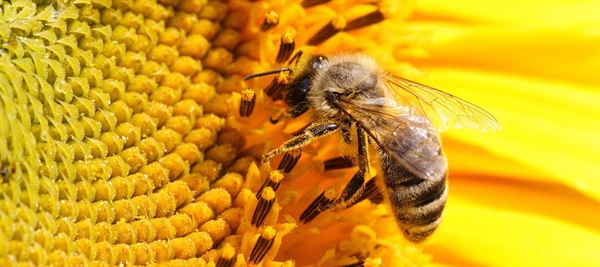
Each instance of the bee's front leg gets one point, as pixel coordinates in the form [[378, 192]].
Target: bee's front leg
[[313, 132]]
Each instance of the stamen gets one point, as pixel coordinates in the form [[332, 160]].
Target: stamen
[[275, 119], [371, 192], [309, 3], [338, 163], [328, 31], [247, 102], [316, 207], [271, 20], [265, 203], [274, 182], [287, 45], [228, 257], [289, 161], [340, 24], [263, 245], [278, 84], [366, 20], [376, 198], [296, 57]]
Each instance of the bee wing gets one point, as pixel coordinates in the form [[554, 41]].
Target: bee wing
[[408, 138], [444, 110]]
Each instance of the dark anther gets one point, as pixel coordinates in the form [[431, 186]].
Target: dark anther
[[289, 161], [265, 203], [316, 207], [271, 20], [228, 257], [366, 20], [323, 34], [247, 102], [286, 48], [274, 181], [263, 245], [338, 163]]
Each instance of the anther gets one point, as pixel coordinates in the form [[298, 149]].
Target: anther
[[328, 31], [290, 159], [271, 20], [247, 102], [338, 163], [340, 24], [316, 207], [277, 85], [265, 203], [366, 20], [274, 182], [263, 245], [286, 48], [296, 57], [227, 258]]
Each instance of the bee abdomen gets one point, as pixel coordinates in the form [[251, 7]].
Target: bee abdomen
[[417, 204], [420, 220]]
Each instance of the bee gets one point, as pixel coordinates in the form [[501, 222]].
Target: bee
[[395, 119]]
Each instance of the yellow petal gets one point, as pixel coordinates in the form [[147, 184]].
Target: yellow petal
[[494, 223], [546, 125], [540, 81], [513, 12]]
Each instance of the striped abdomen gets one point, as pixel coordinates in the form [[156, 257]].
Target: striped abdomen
[[417, 203]]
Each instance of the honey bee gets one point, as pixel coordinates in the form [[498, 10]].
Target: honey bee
[[398, 119]]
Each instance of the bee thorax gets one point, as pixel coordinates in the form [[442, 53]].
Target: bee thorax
[[351, 77]]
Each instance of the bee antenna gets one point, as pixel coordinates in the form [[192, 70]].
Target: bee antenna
[[252, 76]]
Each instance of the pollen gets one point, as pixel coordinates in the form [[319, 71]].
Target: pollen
[[271, 21]]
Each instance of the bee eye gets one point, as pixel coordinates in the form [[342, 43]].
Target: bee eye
[[298, 93]]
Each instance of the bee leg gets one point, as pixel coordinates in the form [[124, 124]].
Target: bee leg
[[311, 133], [354, 190], [341, 162], [292, 112]]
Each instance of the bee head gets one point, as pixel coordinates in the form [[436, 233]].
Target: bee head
[[300, 85]]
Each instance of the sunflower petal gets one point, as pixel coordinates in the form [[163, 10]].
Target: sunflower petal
[[537, 221]]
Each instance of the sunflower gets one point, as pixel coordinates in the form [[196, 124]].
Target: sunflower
[[121, 141]]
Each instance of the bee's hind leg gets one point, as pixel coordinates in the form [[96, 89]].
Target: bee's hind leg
[[354, 190]]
